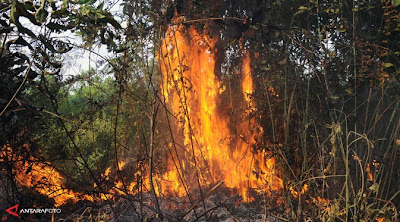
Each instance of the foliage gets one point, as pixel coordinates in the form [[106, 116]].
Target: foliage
[[32, 49], [31, 83]]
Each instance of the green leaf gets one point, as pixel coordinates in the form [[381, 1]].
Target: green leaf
[[101, 5], [265, 68], [86, 2], [41, 15], [84, 10], [64, 5], [13, 14], [396, 2], [60, 13], [303, 8], [387, 64], [100, 15]]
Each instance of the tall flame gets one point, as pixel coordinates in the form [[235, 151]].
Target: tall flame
[[213, 151]]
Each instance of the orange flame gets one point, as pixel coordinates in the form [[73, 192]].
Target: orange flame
[[295, 193], [369, 173], [193, 91], [46, 180], [41, 176]]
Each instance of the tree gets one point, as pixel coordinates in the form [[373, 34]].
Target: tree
[[30, 57]]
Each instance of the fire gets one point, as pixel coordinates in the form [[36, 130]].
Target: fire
[[213, 151], [295, 193], [42, 177], [48, 181], [217, 145], [369, 173]]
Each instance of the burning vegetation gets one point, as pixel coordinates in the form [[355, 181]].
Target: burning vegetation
[[218, 146], [205, 111]]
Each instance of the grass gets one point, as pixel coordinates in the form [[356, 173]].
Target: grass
[[350, 165]]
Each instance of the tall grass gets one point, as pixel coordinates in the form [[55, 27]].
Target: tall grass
[[350, 163]]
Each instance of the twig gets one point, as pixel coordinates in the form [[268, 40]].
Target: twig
[[152, 130], [120, 90], [3, 44], [211, 19], [280, 218], [298, 43], [19, 88], [205, 213]]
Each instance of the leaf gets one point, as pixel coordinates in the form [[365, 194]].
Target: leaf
[[53, 5], [29, 6], [18, 41], [64, 4], [387, 64], [86, 2], [100, 15], [13, 14], [59, 13], [111, 20], [303, 8], [101, 5], [265, 68], [41, 15], [22, 11], [84, 10], [119, 50], [90, 15], [395, 2], [58, 27]]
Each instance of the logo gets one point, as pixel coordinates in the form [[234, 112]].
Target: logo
[[13, 210]]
